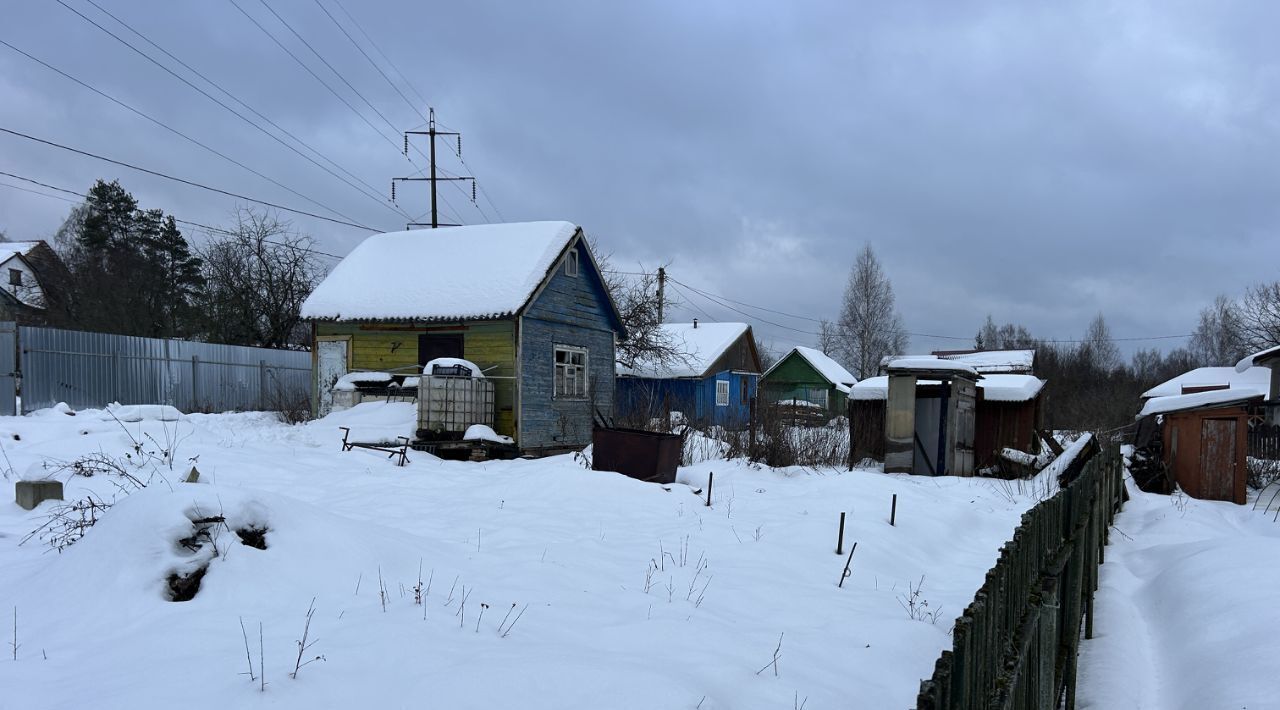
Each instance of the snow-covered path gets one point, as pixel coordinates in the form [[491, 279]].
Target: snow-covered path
[[1186, 612]]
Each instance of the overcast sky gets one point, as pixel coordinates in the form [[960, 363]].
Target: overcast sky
[[1036, 161]]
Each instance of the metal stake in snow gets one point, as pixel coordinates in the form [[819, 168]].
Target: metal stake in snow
[[711, 478], [840, 537], [847, 562], [893, 511]]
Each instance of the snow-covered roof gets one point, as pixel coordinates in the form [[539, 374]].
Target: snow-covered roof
[[930, 364], [700, 344], [995, 361], [1248, 362], [1177, 403], [830, 370], [1252, 379], [8, 250], [453, 273], [995, 388]]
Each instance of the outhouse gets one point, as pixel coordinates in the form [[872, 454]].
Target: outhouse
[[930, 417]]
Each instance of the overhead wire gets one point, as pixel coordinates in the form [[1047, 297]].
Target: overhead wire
[[180, 221], [375, 192], [175, 131], [184, 181], [214, 99]]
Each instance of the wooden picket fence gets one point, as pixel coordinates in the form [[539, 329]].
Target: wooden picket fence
[[1264, 442], [1015, 646]]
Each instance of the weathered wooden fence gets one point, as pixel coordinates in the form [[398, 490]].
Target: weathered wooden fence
[[1015, 646], [1264, 442]]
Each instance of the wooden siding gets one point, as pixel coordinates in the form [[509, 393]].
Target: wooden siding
[[794, 376], [740, 356], [640, 399], [1205, 451], [394, 347], [1002, 425], [571, 311]]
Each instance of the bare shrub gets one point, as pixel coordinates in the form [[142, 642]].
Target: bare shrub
[[1262, 472]]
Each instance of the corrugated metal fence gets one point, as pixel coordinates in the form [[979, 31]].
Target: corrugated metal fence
[[94, 369]]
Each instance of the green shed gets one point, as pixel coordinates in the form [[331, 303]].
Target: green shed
[[807, 378]]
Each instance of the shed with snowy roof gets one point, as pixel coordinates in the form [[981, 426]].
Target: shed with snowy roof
[[525, 302], [806, 377], [28, 270], [711, 376], [1200, 441]]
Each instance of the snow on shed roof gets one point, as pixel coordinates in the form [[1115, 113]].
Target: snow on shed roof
[[453, 273], [1252, 379], [1249, 361], [700, 344], [1178, 403], [995, 361], [830, 370], [995, 388], [930, 364]]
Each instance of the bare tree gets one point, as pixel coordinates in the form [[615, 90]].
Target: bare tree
[[1004, 337], [1259, 316], [1218, 339], [828, 337], [869, 327], [642, 309], [768, 356], [1098, 351], [258, 273]]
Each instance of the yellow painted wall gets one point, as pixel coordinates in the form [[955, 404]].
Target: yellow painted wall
[[392, 347]]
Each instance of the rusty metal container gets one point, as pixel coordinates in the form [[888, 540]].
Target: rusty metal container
[[643, 455]]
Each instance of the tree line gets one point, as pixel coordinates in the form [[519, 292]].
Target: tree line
[[1091, 385], [132, 271]]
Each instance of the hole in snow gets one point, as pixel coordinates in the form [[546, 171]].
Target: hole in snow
[[183, 587], [253, 536]]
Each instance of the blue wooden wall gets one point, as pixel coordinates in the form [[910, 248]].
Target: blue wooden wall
[[570, 311], [642, 398]]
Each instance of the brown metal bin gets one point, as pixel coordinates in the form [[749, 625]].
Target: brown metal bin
[[644, 455]]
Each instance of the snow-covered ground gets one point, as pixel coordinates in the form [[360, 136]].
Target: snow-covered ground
[[1187, 614], [581, 588]]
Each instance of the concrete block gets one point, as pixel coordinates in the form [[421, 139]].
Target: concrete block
[[29, 494]]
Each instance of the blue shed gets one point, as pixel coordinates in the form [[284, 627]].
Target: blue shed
[[712, 381]]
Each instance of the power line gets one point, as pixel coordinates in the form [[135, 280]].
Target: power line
[[384, 56], [691, 302], [372, 63], [180, 221], [214, 99], [372, 191], [173, 130], [184, 181]]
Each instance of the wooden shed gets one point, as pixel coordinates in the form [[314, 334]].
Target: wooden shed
[[929, 426], [808, 378], [1205, 441], [1007, 414], [525, 302], [711, 380]]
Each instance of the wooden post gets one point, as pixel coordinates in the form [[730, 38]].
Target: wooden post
[[262, 384], [711, 479], [840, 537], [893, 511], [751, 425]]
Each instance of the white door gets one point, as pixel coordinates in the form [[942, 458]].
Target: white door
[[331, 356]]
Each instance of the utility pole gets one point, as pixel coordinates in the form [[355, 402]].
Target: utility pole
[[662, 291], [431, 133]]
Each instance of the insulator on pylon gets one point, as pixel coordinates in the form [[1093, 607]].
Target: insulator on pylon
[[459, 146], [393, 190], [406, 145], [473, 191]]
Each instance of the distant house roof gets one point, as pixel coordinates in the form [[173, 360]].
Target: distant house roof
[[1020, 362], [1251, 380], [700, 344], [995, 388], [455, 273], [1199, 400], [1257, 358], [829, 369], [8, 250]]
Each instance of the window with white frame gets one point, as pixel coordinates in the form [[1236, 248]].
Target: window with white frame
[[571, 263], [722, 393], [571, 372]]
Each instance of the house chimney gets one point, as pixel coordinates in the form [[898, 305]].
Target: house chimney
[[695, 323]]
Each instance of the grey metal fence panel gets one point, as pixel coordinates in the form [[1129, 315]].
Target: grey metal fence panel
[[8, 368], [94, 369]]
